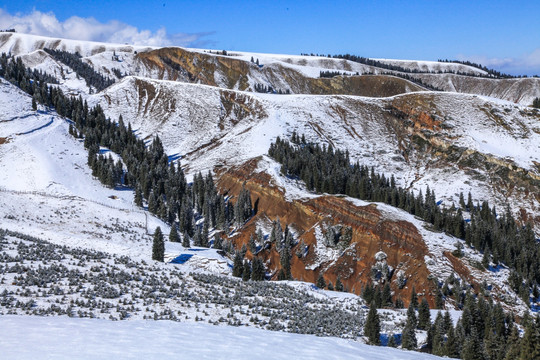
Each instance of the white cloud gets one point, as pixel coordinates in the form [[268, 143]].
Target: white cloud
[[46, 24], [528, 64]]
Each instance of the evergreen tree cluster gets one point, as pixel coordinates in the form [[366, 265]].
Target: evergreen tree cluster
[[30, 81], [498, 236], [536, 103], [484, 332], [118, 73], [84, 70], [243, 207], [248, 270], [255, 61], [146, 169], [379, 296], [493, 73], [331, 74], [261, 88]]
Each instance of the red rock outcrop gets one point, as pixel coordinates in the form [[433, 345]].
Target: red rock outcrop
[[371, 233]]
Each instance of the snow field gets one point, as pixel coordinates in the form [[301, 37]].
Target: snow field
[[61, 337]]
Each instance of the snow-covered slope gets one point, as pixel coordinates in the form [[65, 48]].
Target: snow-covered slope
[[299, 74], [61, 337], [211, 127]]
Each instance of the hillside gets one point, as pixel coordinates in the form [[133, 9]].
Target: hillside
[[449, 142], [297, 74], [78, 235]]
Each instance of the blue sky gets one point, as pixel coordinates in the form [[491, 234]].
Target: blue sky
[[501, 34]]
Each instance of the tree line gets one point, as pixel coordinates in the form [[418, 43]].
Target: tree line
[[261, 88], [492, 72]]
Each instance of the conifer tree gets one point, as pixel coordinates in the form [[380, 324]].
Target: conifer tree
[[238, 265], [408, 337], [173, 235], [138, 197], [252, 245], [450, 346], [257, 271], [321, 284], [217, 242], [339, 285], [472, 349], [246, 274], [185, 240], [424, 317], [372, 329], [530, 343], [414, 298], [386, 295], [513, 350], [158, 245], [330, 286], [392, 341], [409, 332]]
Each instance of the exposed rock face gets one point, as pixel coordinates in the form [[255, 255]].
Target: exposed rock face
[[372, 235], [424, 127], [521, 91], [232, 73]]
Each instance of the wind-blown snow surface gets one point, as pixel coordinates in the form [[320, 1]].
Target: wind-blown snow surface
[[26, 337]]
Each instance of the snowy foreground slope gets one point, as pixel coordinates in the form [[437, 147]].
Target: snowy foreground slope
[[61, 337]]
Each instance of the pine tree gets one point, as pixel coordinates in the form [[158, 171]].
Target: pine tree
[[408, 338], [238, 265], [414, 298], [339, 285], [246, 274], [158, 245], [285, 260], [513, 350], [217, 242], [372, 328], [409, 332], [472, 349], [321, 284], [530, 343], [257, 271], [424, 317], [450, 346], [34, 103], [185, 240], [138, 197], [252, 245], [392, 341], [411, 316], [173, 235], [330, 286], [386, 295]]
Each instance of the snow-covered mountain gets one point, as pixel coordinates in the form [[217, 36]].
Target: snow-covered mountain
[[478, 137], [294, 73]]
